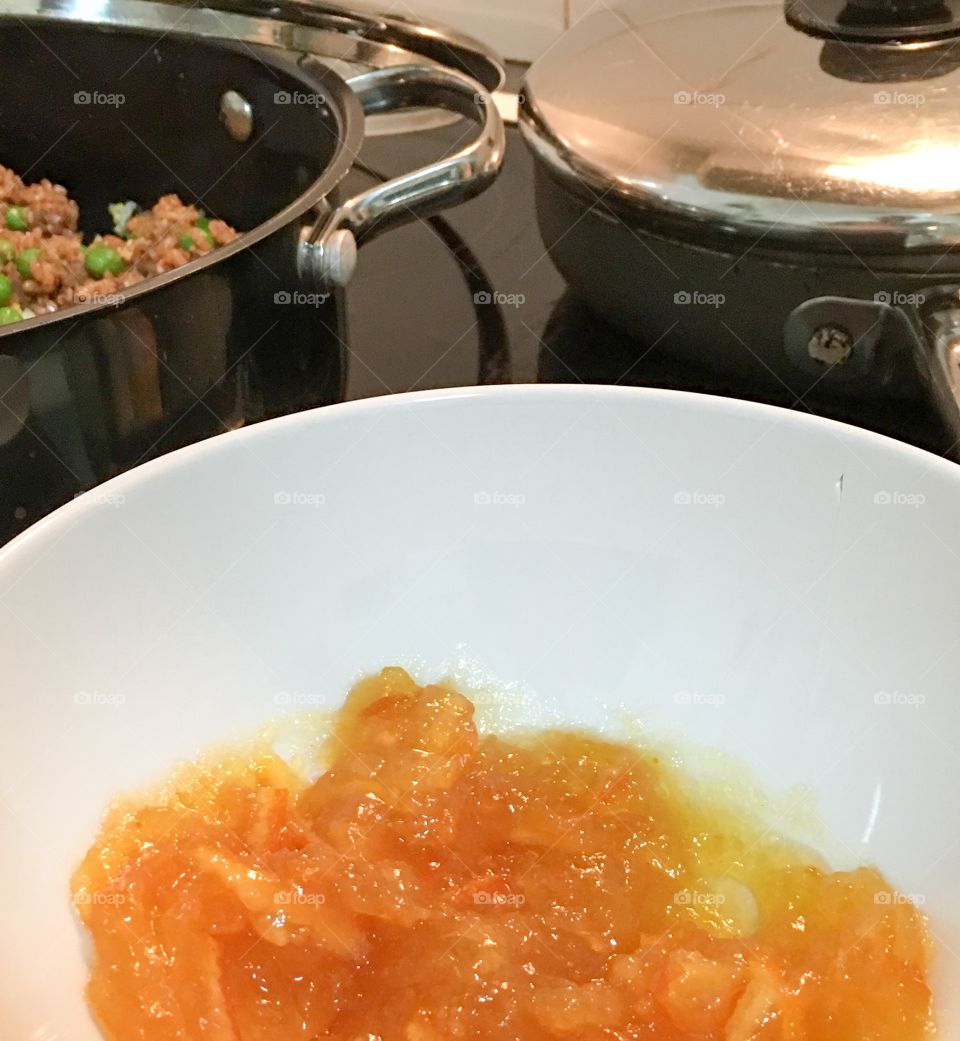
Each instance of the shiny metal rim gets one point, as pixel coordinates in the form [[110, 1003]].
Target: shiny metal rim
[[823, 232], [323, 30]]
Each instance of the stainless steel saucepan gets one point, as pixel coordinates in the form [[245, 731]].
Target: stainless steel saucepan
[[216, 108]]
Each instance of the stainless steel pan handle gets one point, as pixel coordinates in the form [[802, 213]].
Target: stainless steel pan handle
[[939, 359], [328, 250]]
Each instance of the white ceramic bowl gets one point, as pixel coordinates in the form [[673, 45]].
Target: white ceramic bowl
[[782, 588]]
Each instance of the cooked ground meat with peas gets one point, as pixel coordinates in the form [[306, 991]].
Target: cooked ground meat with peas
[[46, 265]]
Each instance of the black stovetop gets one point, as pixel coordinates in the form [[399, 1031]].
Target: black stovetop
[[412, 323], [469, 299]]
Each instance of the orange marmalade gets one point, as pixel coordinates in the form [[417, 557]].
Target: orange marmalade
[[438, 884]]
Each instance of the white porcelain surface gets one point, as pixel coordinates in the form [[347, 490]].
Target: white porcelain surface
[[751, 579]]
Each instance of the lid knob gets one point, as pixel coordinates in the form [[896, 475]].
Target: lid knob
[[876, 21], [907, 11]]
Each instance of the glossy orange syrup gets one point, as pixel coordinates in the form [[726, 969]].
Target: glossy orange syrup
[[438, 884]]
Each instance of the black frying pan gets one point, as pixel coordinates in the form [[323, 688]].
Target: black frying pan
[[830, 265]]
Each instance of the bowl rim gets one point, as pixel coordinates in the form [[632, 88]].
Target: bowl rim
[[58, 522]]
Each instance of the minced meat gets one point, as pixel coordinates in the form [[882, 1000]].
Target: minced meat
[[45, 264]]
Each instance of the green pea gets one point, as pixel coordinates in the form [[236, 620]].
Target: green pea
[[103, 260], [6, 288], [8, 315], [186, 243], [17, 219], [203, 223], [25, 261], [7, 251]]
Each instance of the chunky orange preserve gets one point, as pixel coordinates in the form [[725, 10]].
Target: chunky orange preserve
[[437, 884]]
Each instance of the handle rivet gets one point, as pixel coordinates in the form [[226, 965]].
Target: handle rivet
[[236, 114], [330, 262], [830, 345]]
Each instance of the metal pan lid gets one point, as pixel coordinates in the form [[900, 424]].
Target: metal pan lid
[[375, 30], [359, 37], [730, 117], [348, 40]]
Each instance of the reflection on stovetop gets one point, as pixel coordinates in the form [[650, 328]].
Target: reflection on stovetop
[[571, 355], [414, 321]]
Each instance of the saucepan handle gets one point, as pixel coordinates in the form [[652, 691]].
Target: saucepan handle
[[940, 362], [328, 250]]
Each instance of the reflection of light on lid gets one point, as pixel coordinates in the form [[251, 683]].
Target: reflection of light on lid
[[925, 170], [91, 8]]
